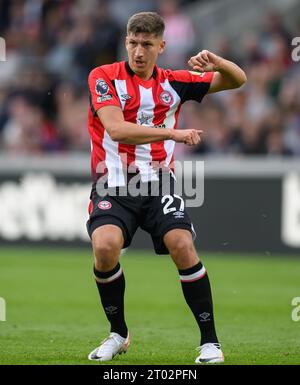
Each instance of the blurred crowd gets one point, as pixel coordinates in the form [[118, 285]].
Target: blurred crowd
[[51, 46]]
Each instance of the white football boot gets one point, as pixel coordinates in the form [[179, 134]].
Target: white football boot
[[112, 345], [210, 353]]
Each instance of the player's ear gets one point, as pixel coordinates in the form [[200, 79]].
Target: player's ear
[[126, 42], [162, 46]]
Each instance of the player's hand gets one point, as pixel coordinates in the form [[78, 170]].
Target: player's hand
[[189, 137], [205, 61]]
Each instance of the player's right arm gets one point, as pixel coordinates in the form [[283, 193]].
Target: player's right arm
[[119, 130]]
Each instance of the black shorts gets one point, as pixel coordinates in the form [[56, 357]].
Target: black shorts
[[156, 214]]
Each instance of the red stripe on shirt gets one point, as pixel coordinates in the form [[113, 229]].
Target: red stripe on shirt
[[158, 152], [98, 154], [130, 116]]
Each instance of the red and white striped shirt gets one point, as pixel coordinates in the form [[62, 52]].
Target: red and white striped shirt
[[155, 103]]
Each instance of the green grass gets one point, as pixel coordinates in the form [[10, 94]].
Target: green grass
[[54, 315]]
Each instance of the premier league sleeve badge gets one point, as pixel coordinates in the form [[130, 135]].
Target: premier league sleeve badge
[[102, 89]]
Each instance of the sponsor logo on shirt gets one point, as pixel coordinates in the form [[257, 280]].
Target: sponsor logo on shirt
[[166, 98], [144, 119]]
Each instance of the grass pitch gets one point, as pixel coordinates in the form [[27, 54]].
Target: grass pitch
[[54, 314]]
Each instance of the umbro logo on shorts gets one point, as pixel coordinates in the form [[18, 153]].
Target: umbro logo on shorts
[[104, 205]]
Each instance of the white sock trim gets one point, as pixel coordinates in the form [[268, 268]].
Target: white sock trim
[[193, 277], [110, 279]]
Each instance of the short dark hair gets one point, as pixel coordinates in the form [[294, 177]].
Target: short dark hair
[[146, 22]]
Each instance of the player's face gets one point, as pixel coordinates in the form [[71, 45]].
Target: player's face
[[143, 50]]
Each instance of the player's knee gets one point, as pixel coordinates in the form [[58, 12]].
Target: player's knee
[[106, 252], [184, 254], [182, 248], [105, 248]]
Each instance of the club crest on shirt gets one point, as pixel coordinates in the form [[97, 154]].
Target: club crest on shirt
[[166, 97], [104, 205]]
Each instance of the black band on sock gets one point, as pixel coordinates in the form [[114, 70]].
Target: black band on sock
[[106, 274], [191, 270]]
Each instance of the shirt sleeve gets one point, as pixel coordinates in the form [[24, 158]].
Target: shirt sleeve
[[102, 90], [191, 85]]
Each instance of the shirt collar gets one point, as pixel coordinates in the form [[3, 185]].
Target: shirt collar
[[131, 73]]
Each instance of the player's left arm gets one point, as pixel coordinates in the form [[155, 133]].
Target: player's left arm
[[227, 75]]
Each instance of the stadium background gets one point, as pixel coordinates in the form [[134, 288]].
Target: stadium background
[[248, 227]]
